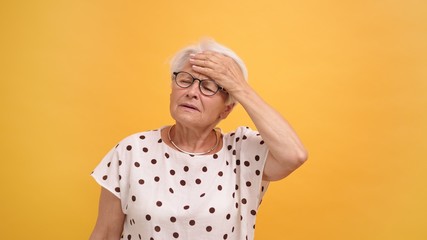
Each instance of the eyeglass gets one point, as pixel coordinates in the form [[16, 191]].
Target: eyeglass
[[207, 87]]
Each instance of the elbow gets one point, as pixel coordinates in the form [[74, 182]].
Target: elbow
[[301, 157], [298, 158]]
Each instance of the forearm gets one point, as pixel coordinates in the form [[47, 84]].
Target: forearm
[[282, 141]]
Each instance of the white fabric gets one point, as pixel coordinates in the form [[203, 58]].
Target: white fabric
[[167, 194]]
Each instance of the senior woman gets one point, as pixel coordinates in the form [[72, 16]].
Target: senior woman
[[189, 180]]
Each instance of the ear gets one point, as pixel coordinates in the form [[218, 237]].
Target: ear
[[227, 110]]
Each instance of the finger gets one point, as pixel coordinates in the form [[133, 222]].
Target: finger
[[208, 56], [206, 63], [209, 72]]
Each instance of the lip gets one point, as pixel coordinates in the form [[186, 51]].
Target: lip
[[189, 106]]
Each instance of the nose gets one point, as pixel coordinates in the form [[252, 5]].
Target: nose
[[194, 89]]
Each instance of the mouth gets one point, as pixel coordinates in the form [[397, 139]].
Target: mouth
[[189, 106]]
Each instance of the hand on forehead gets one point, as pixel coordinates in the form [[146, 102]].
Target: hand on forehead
[[208, 55]]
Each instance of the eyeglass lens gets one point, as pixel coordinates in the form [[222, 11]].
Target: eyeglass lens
[[185, 80]]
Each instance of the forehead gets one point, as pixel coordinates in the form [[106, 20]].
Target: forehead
[[187, 68]]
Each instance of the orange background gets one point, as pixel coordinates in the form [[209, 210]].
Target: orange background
[[351, 76]]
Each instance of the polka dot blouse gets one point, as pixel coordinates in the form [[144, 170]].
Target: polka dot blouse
[[167, 194]]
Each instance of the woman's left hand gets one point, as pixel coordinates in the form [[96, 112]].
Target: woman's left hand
[[220, 68]]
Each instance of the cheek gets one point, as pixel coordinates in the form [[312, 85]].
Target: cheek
[[173, 96]]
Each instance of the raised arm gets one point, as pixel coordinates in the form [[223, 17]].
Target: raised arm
[[109, 224], [286, 152]]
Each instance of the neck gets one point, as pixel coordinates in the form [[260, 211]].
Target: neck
[[193, 143]]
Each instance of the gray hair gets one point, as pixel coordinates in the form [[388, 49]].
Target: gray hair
[[182, 56]]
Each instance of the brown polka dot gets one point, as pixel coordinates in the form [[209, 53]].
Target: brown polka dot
[[105, 177], [205, 169], [128, 147], [244, 201], [198, 181], [153, 161], [172, 172], [215, 156], [192, 222], [257, 172], [166, 155], [160, 140], [117, 189], [229, 147], [120, 162], [182, 182], [247, 163], [202, 195], [137, 164], [186, 207], [173, 219], [171, 190], [219, 187], [244, 137], [108, 164], [145, 149], [262, 142], [133, 198], [208, 228], [142, 137], [248, 184], [159, 203], [148, 217], [253, 212], [156, 178], [211, 210], [186, 169], [220, 173], [141, 181], [237, 139], [234, 152], [157, 228], [175, 235], [256, 158], [120, 177], [236, 187], [237, 205], [238, 162], [225, 236], [228, 216]]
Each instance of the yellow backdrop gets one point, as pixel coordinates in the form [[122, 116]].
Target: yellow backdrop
[[351, 76]]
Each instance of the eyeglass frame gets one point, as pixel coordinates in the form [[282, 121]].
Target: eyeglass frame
[[174, 74]]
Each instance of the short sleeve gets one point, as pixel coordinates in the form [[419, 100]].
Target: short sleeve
[[112, 173], [252, 154]]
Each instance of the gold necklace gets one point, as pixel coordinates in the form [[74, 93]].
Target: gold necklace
[[191, 153]]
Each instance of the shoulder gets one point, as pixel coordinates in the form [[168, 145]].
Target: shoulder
[[242, 133], [244, 138], [136, 139]]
